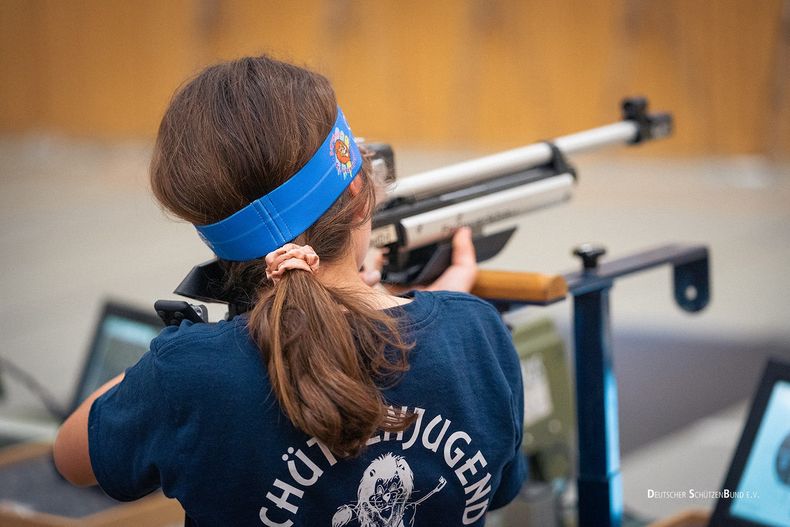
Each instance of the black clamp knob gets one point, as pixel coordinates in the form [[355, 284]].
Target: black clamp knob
[[649, 125], [589, 253]]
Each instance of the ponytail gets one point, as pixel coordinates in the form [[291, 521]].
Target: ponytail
[[327, 356]]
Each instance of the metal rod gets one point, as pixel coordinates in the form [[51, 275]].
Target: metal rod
[[510, 161], [432, 226]]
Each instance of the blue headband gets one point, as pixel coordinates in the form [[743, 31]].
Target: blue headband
[[287, 211]]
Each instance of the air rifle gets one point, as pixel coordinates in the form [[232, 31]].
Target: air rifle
[[416, 219], [416, 222]]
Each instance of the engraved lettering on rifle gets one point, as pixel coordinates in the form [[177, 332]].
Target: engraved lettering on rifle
[[383, 236]]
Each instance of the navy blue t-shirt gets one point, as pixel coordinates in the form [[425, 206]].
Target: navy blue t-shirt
[[197, 417]]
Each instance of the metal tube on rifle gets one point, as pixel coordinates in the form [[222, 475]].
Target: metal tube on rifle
[[517, 159]]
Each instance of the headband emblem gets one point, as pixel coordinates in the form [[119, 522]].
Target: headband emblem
[[341, 150]]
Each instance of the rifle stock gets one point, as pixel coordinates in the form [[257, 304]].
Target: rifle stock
[[520, 286]]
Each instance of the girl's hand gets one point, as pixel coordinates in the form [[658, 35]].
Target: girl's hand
[[460, 276], [371, 267]]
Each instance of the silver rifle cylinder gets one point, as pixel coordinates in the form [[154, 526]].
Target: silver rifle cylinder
[[435, 225], [510, 161]]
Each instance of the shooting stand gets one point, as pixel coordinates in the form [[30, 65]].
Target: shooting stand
[[600, 496]]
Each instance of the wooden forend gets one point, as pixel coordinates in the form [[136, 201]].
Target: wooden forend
[[520, 286]]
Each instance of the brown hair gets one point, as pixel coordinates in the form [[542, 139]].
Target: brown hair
[[230, 135]]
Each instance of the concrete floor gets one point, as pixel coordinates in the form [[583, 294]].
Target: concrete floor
[[79, 225]]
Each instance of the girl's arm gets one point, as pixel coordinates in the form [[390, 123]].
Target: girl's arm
[[70, 450]]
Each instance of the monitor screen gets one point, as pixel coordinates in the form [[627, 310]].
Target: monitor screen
[[763, 492], [119, 343]]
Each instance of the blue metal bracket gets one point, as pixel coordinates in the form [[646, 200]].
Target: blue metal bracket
[[599, 482], [690, 271], [600, 486]]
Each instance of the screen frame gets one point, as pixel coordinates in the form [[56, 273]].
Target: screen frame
[[775, 371], [110, 308]]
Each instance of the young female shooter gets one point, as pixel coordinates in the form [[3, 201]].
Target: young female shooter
[[329, 402]]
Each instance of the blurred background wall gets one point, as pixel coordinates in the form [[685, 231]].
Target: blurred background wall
[[448, 73]]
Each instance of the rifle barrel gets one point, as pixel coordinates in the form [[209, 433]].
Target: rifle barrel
[[511, 161]]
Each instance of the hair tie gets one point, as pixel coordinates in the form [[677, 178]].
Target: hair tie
[[290, 256]]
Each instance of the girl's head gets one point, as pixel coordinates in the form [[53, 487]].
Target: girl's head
[[231, 135], [239, 130]]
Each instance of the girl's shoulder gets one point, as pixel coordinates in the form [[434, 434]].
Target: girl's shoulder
[[457, 303], [214, 349], [189, 336], [458, 298], [440, 313], [190, 358]]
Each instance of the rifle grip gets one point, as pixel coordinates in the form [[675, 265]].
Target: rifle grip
[[520, 287]]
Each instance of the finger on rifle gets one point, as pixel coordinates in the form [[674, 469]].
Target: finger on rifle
[[463, 248]]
